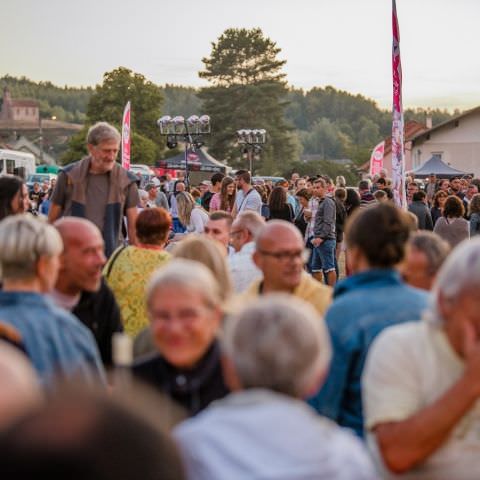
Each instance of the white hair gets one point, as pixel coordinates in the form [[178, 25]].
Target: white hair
[[251, 221], [186, 274], [23, 240], [279, 342], [459, 274], [102, 132]]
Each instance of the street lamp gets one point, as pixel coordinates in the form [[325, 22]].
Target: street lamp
[[190, 130], [251, 141]]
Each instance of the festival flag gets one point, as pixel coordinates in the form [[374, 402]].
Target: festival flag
[[376, 159], [398, 153], [126, 137]]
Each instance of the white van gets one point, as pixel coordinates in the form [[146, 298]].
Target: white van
[[14, 162]]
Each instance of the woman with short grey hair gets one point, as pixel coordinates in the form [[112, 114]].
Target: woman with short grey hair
[[56, 342], [276, 352], [184, 308]]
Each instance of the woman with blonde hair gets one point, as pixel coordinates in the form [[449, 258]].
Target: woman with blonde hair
[[193, 216], [208, 252], [225, 198]]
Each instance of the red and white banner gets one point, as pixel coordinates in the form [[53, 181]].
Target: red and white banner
[[398, 153], [126, 137], [376, 159]]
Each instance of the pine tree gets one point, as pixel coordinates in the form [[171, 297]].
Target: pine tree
[[248, 90]]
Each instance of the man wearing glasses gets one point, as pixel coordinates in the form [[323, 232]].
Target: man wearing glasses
[[280, 255]]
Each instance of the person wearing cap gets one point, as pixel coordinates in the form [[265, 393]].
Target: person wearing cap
[[156, 198]]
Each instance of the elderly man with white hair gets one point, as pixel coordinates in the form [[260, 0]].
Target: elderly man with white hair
[[276, 352], [421, 384]]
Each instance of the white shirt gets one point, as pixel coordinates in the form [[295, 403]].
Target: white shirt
[[198, 220], [408, 368], [259, 434], [242, 268], [249, 201]]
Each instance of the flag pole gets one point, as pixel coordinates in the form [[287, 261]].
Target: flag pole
[[398, 149]]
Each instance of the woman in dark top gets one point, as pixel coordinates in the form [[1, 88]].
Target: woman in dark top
[[303, 196], [278, 206], [183, 303], [352, 202], [438, 204]]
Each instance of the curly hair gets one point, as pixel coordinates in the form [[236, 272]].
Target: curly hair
[[474, 206], [453, 207], [440, 193]]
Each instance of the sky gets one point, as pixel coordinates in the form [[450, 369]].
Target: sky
[[343, 43]]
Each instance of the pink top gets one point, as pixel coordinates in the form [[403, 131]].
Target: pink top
[[215, 203]]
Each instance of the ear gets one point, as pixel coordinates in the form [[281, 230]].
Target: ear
[[445, 306], [257, 260], [90, 148], [230, 374]]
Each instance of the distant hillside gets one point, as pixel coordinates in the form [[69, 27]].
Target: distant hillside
[[328, 122]]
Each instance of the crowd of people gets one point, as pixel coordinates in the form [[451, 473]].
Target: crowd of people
[[300, 330]]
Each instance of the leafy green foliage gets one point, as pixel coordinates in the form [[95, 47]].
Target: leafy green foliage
[[107, 104], [247, 90]]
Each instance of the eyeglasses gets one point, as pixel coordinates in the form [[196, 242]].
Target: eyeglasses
[[235, 232], [284, 256]]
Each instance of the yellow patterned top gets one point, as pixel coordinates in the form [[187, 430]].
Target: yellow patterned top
[[128, 278]]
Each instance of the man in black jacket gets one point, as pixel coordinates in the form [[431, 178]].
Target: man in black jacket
[[420, 209], [80, 287]]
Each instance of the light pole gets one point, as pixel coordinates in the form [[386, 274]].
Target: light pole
[[251, 141], [190, 130]]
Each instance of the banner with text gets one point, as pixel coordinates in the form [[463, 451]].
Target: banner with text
[[376, 159], [126, 137], [398, 153]]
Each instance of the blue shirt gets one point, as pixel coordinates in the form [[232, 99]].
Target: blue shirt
[[363, 306], [55, 341]]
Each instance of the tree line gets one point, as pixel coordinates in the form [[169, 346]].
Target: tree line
[[247, 89]]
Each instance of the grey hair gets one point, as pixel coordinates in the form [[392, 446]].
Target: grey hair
[[23, 240], [460, 273], [102, 132], [143, 194], [251, 221], [432, 246], [278, 342], [186, 274]]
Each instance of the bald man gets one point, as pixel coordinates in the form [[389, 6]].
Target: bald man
[[80, 287], [280, 255]]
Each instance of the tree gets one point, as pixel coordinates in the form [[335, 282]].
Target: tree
[[248, 90], [107, 104]]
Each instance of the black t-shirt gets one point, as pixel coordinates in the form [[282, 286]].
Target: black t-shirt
[[207, 196]]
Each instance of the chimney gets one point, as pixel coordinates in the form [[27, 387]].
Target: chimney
[[428, 122]]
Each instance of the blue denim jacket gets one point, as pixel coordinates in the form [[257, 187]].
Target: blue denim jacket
[[363, 306], [56, 342]]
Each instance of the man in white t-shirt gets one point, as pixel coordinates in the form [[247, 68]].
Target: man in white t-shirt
[[247, 197], [245, 229], [421, 383]]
